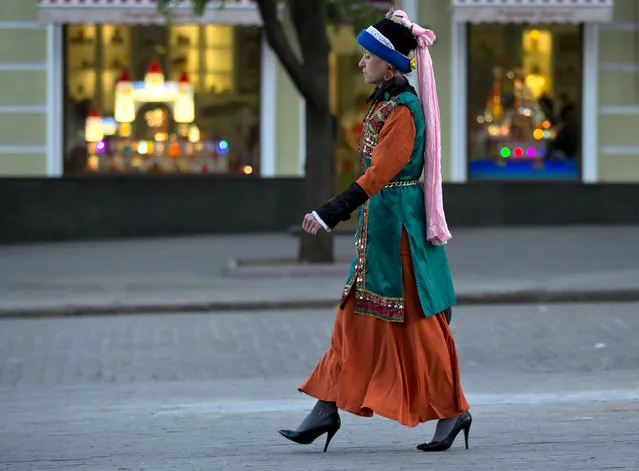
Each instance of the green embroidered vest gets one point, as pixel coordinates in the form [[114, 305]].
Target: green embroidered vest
[[376, 271]]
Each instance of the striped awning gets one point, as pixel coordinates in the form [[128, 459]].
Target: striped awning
[[233, 12], [532, 11]]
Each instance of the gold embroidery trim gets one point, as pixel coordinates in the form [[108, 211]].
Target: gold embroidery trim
[[367, 302], [401, 183]]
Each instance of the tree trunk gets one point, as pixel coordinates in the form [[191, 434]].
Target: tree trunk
[[318, 184], [310, 76], [309, 19]]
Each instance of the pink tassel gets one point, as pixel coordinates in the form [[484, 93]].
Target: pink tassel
[[436, 227]]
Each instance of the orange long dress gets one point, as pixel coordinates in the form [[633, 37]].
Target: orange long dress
[[409, 371]]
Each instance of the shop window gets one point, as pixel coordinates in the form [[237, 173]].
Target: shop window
[[524, 101], [150, 99], [348, 94]]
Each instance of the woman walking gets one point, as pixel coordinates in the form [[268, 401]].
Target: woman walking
[[391, 351]]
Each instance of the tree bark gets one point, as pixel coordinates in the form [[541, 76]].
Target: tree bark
[[309, 19], [311, 77], [279, 43], [318, 183]]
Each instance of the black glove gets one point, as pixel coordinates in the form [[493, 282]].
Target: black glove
[[340, 207]]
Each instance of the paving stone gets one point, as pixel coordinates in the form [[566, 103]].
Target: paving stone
[[551, 388]]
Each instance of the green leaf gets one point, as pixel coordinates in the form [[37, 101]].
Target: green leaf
[[164, 6], [359, 13], [199, 6]]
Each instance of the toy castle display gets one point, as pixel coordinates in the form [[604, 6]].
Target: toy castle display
[[153, 129]]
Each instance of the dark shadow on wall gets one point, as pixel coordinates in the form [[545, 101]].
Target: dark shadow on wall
[[108, 206]]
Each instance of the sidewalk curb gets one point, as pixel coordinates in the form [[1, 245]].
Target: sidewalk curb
[[240, 268], [463, 299]]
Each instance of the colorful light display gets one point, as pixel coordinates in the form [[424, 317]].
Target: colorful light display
[[519, 152], [223, 147], [93, 131], [184, 111], [124, 101]]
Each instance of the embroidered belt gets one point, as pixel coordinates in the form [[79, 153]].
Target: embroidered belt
[[400, 183]]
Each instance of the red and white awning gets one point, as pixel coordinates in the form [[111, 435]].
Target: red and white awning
[[233, 12], [532, 11]]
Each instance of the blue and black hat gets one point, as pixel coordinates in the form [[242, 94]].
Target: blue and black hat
[[390, 40]]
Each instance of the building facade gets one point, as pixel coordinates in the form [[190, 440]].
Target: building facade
[[495, 61], [586, 57], [107, 86], [541, 91], [530, 90]]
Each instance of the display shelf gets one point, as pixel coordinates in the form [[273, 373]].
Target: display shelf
[[219, 83], [81, 61], [115, 47], [218, 36], [184, 55]]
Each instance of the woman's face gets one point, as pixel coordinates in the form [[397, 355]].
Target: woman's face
[[374, 69]]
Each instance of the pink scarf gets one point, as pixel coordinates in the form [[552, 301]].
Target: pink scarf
[[436, 228]]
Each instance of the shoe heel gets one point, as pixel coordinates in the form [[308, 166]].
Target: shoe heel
[[329, 436], [466, 431]]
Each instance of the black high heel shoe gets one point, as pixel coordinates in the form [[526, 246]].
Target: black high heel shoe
[[463, 422], [308, 436], [323, 419]]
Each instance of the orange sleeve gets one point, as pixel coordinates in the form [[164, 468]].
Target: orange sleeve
[[392, 152]]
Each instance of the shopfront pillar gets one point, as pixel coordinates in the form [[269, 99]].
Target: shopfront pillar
[[435, 14], [55, 116], [268, 111]]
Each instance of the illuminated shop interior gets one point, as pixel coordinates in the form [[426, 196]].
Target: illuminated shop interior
[[520, 70], [163, 99]]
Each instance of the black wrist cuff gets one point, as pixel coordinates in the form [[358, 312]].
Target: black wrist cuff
[[340, 207]]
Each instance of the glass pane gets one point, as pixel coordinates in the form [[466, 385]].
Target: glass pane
[[116, 47], [219, 60], [219, 36], [81, 64], [524, 100], [219, 83], [185, 52], [161, 120]]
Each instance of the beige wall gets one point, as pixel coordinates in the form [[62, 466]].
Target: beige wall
[[23, 124], [18, 10], [288, 130], [23, 94], [288, 127], [436, 15], [618, 159]]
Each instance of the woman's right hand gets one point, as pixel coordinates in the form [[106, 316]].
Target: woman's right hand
[[310, 224]]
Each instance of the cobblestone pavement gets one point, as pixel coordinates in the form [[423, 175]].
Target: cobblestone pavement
[[551, 388], [111, 429], [521, 339]]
